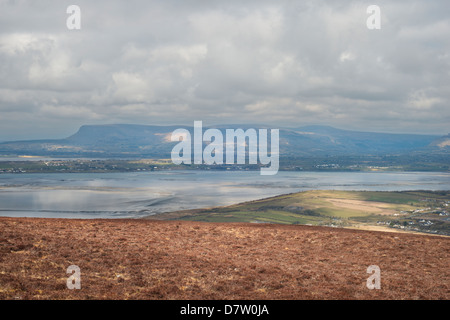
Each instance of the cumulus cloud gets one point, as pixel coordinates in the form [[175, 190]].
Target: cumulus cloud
[[286, 63]]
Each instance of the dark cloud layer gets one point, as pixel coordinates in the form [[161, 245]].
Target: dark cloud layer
[[283, 63]]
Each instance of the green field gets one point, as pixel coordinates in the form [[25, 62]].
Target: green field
[[413, 211]]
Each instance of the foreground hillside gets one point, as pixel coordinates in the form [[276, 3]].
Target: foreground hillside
[[144, 259]]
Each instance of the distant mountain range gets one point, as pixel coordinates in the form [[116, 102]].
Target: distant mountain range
[[130, 141]]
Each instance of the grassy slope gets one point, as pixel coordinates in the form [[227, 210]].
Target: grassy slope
[[318, 207]]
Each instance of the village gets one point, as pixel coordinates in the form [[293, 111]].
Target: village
[[433, 218]]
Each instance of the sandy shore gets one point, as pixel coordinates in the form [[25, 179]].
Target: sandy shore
[[144, 259]]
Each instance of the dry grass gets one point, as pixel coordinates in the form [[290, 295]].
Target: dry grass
[[369, 207], [142, 259]]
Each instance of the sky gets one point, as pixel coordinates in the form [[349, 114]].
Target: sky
[[278, 63]]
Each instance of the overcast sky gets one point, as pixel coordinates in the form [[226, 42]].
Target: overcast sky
[[280, 63]]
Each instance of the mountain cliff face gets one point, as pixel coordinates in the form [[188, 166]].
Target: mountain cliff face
[[128, 140], [442, 143]]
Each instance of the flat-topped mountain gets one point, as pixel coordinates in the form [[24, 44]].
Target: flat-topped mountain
[[130, 140]]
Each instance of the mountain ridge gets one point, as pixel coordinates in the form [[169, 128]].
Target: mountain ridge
[[137, 140]]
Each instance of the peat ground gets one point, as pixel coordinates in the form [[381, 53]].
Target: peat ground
[[145, 259]]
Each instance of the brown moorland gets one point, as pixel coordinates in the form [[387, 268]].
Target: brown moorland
[[146, 259]]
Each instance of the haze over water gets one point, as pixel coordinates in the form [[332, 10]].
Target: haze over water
[[138, 194]]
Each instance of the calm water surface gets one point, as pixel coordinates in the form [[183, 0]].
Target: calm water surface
[[133, 195]]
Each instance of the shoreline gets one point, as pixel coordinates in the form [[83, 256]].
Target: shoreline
[[298, 206]]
